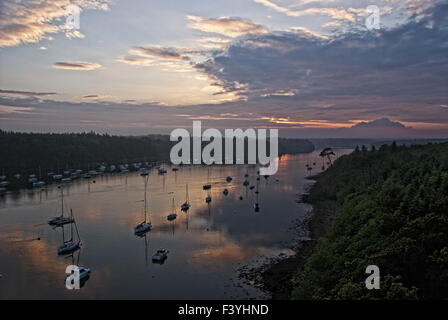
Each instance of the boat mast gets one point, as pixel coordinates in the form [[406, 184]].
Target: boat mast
[[62, 201], [146, 184], [71, 229], [76, 226]]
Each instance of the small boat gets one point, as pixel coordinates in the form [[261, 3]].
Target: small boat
[[208, 199], [246, 183], [186, 205], [173, 215], [162, 171], [4, 183], [38, 184], [225, 192], [266, 176], [241, 197], [175, 169], [2, 190], [68, 247], [229, 178], [246, 175], [87, 176], [65, 180], [144, 173], [57, 176], [142, 227], [206, 186], [251, 187], [160, 255], [257, 207], [2, 177], [61, 220]]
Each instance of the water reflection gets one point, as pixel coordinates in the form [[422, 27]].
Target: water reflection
[[206, 243]]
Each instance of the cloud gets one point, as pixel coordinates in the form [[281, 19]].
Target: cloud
[[30, 21], [214, 42], [94, 96], [395, 72], [168, 58], [14, 110], [87, 66], [339, 13], [165, 53], [17, 93], [230, 27], [136, 61]]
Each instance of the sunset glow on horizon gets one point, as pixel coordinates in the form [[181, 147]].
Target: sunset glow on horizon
[[311, 69]]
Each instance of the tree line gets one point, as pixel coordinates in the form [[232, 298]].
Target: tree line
[[391, 210]]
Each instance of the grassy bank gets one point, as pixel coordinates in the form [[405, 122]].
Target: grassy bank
[[386, 207]]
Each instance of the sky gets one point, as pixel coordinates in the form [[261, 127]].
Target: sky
[[309, 68]]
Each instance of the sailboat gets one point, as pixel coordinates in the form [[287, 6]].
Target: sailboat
[[144, 226], [207, 186], [61, 220], [186, 205], [70, 245], [173, 215]]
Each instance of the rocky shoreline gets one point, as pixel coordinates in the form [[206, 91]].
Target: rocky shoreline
[[279, 276]]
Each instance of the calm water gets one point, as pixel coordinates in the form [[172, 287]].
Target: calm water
[[206, 246]]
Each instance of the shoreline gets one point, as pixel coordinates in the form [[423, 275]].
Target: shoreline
[[279, 277]]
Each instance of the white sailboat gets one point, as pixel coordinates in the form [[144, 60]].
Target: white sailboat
[[144, 226], [69, 245]]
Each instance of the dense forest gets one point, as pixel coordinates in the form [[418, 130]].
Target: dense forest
[[391, 210], [26, 153]]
